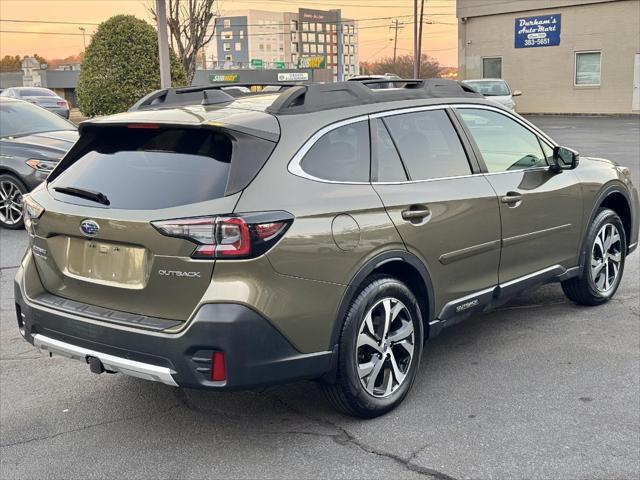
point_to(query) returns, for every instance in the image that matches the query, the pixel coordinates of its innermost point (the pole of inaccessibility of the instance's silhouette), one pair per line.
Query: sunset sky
(58, 40)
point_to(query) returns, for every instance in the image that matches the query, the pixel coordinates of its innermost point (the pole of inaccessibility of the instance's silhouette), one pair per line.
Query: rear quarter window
(341, 155)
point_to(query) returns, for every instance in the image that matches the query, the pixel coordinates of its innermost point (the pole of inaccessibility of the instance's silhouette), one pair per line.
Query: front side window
(492, 67)
(428, 145)
(503, 143)
(588, 68)
(341, 155)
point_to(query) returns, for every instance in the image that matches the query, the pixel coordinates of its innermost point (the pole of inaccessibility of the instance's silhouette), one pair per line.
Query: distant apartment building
(306, 39)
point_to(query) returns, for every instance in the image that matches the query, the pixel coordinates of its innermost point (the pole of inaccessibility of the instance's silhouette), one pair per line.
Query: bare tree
(188, 22)
(403, 66)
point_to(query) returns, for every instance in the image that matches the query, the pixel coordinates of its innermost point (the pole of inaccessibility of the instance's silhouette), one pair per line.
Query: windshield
(35, 92)
(490, 88)
(21, 118)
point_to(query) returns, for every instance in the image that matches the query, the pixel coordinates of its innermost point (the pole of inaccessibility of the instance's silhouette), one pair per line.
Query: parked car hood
(51, 145)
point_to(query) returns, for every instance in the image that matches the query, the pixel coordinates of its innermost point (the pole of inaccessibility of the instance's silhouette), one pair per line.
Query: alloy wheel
(10, 203)
(385, 347)
(606, 257)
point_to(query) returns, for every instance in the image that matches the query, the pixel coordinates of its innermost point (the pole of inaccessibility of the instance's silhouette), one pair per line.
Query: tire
(602, 261)
(392, 362)
(11, 192)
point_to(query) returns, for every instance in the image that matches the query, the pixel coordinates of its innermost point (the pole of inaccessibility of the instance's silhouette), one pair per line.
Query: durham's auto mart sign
(539, 31)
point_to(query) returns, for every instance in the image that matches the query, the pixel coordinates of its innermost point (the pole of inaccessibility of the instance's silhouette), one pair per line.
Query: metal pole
(415, 39)
(339, 47)
(163, 44)
(84, 41)
(396, 26)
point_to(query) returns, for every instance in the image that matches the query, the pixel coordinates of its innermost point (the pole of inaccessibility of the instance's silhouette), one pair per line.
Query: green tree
(10, 64)
(121, 65)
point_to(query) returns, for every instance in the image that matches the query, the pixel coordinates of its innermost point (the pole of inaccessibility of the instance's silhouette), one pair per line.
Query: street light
(84, 41)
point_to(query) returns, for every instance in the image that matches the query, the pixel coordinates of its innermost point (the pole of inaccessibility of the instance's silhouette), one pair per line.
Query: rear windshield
(22, 118)
(145, 168)
(490, 88)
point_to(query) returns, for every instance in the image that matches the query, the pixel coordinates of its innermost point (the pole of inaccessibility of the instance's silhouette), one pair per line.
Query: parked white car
(495, 89)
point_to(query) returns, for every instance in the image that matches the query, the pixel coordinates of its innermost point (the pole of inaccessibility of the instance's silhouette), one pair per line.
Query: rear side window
(341, 155)
(428, 144)
(145, 168)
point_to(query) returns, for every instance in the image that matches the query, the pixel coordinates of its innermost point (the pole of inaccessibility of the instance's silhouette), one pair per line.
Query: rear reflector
(218, 368)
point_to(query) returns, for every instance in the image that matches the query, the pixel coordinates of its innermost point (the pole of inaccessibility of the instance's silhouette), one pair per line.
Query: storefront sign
(311, 62)
(215, 78)
(293, 77)
(540, 31)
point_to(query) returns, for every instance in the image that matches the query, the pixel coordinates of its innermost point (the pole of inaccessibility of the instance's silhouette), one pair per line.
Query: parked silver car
(495, 89)
(43, 97)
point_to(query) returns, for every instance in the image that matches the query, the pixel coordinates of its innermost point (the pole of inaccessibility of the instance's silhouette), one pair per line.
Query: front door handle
(416, 212)
(511, 198)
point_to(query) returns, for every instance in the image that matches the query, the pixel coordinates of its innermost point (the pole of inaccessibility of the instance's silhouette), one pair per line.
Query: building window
(228, 58)
(228, 35)
(313, 48)
(294, 48)
(312, 26)
(305, 37)
(321, 38)
(294, 59)
(294, 25)
(241, 34)
(320, 48)
(588, 65)
(226, 47)
(305, 48)
(294, 36)
(226, 23)
(238, 46)
(261, 47)
(492, 67)
(305, 26)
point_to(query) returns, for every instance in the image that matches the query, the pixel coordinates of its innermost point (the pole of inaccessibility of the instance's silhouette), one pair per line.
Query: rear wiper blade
(88, 194)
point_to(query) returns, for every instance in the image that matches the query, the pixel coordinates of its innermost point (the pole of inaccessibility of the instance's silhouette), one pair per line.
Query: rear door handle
(416, 212)
(511, 197)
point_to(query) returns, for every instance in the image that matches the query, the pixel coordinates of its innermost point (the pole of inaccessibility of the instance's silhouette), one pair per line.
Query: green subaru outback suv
(225, 240)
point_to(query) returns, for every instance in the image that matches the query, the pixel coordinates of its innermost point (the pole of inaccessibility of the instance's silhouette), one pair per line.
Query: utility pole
(395, 25)
(163, 44)
(415, 39)
(84, 40)
(420, 36)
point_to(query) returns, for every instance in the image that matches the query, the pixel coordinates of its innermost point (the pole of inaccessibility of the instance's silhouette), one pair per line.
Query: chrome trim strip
(400, 111)
(507, 242)
(112, 363)
(531, 275)
(450, 257)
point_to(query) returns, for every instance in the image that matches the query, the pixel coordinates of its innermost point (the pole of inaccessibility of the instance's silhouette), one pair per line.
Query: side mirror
(516, 93)
(565, 158)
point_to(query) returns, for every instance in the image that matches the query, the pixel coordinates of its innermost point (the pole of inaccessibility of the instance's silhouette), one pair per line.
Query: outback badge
(89, 227)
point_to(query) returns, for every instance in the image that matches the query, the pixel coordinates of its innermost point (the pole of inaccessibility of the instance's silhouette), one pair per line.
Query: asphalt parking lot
(538, 389)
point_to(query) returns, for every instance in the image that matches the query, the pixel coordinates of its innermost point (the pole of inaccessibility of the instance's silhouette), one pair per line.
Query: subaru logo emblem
(89, 227)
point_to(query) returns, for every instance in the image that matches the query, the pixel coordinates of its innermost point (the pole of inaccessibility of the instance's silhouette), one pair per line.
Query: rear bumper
(256, 354)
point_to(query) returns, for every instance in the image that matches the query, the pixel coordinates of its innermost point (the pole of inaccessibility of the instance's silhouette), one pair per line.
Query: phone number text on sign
(539, 31)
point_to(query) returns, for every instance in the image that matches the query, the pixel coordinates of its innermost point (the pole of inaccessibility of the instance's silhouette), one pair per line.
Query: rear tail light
(31, 212)
(241, 236)
(62, 103)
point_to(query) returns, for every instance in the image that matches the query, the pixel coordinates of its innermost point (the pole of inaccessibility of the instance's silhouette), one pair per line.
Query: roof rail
(202, 94)
(324, 96)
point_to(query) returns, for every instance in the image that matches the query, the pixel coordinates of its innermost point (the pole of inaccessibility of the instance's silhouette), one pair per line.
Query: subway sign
(539, 31)
(216, 78)
(311, 62)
